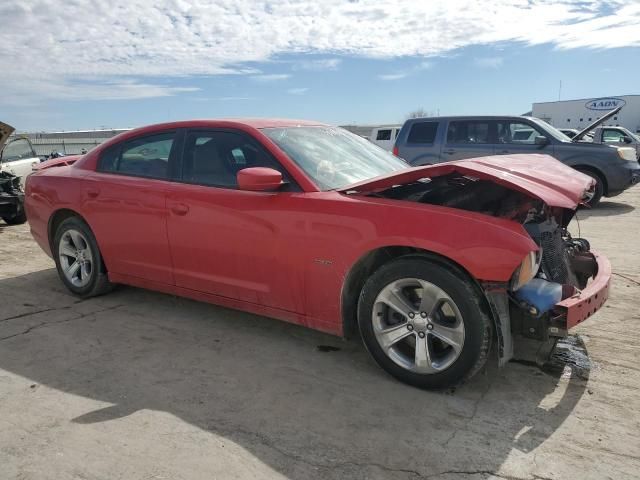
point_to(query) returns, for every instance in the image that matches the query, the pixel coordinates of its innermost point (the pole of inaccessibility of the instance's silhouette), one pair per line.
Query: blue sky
(348, 74)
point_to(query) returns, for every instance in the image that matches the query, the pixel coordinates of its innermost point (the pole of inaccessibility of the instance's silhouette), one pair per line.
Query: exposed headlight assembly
(627, 153)
(527, 270)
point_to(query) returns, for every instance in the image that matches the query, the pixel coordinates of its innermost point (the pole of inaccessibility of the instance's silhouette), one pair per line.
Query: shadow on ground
(305, 411)
(606, 208)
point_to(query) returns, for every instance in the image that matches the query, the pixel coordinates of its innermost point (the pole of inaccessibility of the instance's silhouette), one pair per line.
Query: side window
(383, 135)
(612, 136)
(464, 132)
(142, 157)
(423, 132)
(214, 158)
(17, 150)
(518, 133)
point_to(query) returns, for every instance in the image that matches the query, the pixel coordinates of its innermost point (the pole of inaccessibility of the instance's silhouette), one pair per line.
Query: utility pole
(559, 90)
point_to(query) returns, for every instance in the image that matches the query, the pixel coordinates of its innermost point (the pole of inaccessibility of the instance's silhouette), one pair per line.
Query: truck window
(463, 132)
(423, 132)
(612, 136)
(383, 135)
(519, 133)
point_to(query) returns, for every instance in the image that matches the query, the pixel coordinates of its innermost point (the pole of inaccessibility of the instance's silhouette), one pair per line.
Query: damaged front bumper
(586, 302)
(525, 334)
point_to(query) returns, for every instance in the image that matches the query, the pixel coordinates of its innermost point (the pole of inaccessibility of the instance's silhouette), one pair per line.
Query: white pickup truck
(618, 136)
(17, 157)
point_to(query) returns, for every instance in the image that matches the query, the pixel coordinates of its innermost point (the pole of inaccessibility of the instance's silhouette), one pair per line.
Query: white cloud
(298, 91)
(392, 76)
(270, 77)
(49, 47)
(318, 65)
(488, 62)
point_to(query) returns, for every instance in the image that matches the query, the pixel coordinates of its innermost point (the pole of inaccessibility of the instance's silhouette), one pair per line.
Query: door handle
(504, 151)
(93, 192)
(180, 209)
(450, 151)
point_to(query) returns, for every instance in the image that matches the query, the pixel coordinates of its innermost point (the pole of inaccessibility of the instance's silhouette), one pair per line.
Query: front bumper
(580, 306)
(11, 205)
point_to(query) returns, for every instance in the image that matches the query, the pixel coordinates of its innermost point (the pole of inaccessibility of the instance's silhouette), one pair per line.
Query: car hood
(5, 132)
(599, 121)
(539, 176)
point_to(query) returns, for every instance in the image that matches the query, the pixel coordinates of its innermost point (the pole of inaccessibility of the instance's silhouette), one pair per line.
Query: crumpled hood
(5, 132)
(539, 176)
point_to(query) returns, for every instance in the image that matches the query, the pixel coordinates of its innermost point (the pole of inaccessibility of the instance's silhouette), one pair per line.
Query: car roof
(231, 122)
(470, 117)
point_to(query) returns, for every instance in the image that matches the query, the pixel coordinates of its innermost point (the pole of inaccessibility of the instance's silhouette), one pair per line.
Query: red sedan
(311, 224)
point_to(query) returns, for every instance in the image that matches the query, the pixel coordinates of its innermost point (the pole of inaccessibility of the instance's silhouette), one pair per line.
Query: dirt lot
(140, 385)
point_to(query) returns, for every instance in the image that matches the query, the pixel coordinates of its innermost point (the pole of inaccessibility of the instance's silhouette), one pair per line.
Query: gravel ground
(141, 385)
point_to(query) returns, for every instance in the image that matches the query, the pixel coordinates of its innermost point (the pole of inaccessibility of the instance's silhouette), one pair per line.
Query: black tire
(478, 328)
(599, 190)
(98, 284)
(17, 219)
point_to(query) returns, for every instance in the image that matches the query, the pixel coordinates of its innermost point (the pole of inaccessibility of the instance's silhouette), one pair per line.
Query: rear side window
(383, 135)
(423, 132)
(142, 157)
(468, 132)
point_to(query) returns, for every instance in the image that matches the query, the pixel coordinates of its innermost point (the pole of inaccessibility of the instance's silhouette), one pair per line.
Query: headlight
(627, 153)
(526, 271)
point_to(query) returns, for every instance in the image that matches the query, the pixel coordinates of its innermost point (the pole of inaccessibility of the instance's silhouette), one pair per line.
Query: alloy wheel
(76, 258)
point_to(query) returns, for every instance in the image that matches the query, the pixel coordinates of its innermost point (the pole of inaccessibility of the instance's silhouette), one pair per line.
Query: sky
(81, 64)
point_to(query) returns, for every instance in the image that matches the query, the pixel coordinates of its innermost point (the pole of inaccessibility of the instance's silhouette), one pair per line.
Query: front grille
(555, 259)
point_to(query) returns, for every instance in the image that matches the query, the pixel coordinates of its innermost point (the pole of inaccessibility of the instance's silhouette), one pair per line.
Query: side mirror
(626, 140)
(541, 140)
(259, 179)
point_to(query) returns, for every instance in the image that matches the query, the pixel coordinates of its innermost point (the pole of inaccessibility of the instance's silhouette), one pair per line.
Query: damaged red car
(311, 224)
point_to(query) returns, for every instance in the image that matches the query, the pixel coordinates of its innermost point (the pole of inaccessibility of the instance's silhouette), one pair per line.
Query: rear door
(226, 241)
(468, 139)
(420, 146)
(126, 207)
(516, 136)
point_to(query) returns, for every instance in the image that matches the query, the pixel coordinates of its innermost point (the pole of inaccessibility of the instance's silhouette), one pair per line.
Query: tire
(599, 190)
(17, 219)
(460, 318)
(75, 244)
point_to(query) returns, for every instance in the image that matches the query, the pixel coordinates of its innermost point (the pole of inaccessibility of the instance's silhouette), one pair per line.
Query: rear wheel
(593, 197)
(424, 324)
(78, 259)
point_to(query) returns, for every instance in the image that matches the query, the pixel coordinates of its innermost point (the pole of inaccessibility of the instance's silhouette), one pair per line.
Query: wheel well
(371, 262)
(597, 172)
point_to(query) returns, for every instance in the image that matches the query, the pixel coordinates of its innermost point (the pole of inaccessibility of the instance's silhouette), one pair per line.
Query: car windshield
(334, 157)
(551, 130)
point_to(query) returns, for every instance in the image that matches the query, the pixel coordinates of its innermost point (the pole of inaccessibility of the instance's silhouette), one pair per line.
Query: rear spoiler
(57, 162)
(593, 125)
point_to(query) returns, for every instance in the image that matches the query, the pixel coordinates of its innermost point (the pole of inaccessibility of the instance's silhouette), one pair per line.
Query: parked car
(11, 199)
(385, 137)
(17, 155)
(424, 141)
(314, 225)
(617, 136)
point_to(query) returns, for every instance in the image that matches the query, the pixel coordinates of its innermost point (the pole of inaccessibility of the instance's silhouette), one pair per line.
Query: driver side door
(225, 241)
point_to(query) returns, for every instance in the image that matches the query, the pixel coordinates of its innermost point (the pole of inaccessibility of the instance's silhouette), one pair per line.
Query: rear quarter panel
(421, 153)
(46, 192)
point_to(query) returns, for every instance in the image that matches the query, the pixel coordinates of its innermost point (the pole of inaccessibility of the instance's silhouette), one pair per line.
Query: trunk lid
(539, 176)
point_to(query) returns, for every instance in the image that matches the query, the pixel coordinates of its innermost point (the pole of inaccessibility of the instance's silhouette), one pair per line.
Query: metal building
(68, 143)
(580, 113)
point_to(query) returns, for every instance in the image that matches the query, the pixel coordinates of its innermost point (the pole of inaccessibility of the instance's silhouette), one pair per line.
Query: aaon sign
(604, 103)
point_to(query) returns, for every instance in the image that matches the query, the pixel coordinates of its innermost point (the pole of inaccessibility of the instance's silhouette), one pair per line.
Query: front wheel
(423, 323)
(593, 197)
